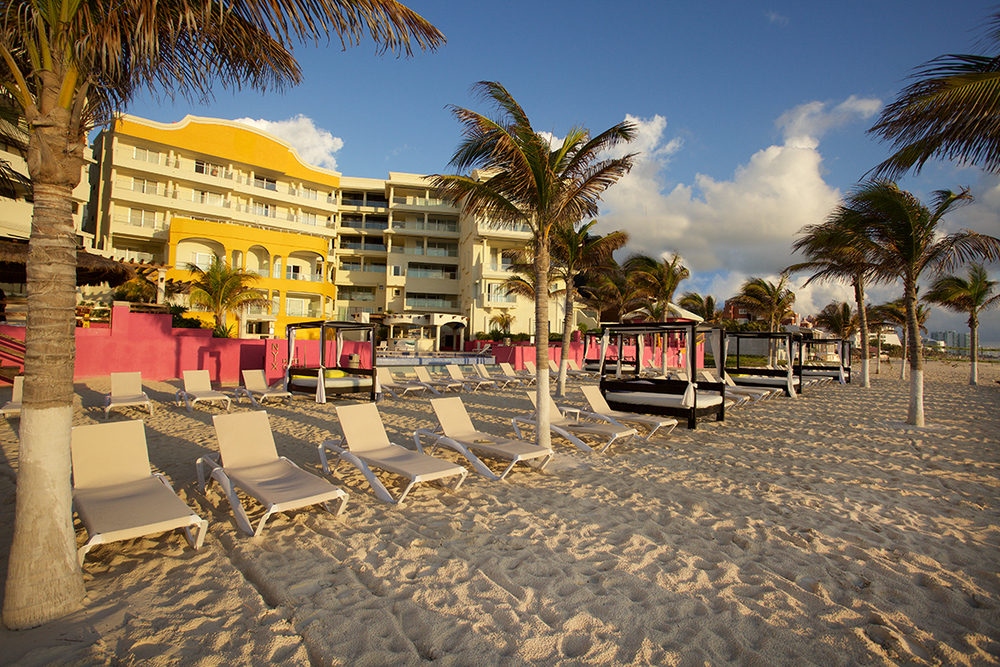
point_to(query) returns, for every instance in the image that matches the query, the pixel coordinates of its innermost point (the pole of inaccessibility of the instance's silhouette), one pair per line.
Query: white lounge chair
(500, 381)
(126, 389)
(751, 395)
(469, 383)
(436, 386)
(368, 446)
(600, 406)
(249, 461)
(575, 370)
(571, 428)
(115, 494)
(198, 387)
(13, 406)
(511, 374)
(394, 387)
(255, 388)
(462, 436)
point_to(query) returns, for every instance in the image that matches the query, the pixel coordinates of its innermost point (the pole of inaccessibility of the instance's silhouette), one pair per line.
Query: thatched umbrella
(90, 269)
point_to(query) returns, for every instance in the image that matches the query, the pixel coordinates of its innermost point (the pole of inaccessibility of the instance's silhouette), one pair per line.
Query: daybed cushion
(665, 400)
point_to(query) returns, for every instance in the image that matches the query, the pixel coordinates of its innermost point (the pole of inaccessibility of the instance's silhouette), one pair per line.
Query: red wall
(147, 343)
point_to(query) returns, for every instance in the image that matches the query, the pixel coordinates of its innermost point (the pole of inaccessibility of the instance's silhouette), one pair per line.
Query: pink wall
(516, 355)
(147, 343)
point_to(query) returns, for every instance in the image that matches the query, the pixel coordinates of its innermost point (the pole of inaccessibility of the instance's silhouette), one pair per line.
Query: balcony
(431, 303)
(308, 277)
(369, 247)
(426, 227)
(141, 223)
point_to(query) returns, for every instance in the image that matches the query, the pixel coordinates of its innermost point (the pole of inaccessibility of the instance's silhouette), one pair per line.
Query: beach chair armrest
(472, 458)
(212, 462)
(427, 432)
(598, 417)
(335, 446)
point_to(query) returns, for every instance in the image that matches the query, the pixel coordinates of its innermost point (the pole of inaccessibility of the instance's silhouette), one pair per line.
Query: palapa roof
(90, 269)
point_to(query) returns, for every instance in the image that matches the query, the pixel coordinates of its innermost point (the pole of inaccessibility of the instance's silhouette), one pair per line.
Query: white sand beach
(815, 531)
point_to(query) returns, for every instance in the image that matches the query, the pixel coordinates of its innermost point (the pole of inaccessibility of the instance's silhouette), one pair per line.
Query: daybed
(337, 379)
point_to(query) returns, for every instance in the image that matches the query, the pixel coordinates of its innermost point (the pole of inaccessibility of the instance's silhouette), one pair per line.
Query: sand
(815, 531)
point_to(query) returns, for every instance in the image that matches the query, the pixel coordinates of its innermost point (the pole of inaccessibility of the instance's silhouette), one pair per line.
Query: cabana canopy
(90, 269)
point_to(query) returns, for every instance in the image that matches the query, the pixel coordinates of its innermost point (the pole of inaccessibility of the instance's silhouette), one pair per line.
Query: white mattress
(765, 379)
(348, 382)
(664, 400)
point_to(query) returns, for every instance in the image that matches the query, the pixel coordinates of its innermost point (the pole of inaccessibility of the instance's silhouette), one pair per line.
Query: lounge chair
(13, 406)
(575, 370)
(126, 389)
(570, 428)
(255, 388)
(469, 383)
(424, 376)
(500, 381)
(510, 373)
(248, 461)
(115, 494)
(198, 387)
(369, 447)
(397, 388)
(600, 406)
(461, 435)
(751, 395)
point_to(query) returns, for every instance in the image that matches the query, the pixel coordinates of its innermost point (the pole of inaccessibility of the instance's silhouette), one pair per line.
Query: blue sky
(752, 115)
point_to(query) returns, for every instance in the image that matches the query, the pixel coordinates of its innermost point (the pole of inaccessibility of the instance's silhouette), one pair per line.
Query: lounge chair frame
(470, 384)
(126, 389)
(198, 387)
(105, 496)
(599, 406)
(457, 432)
(255, 388)
(378, 452)
(565, 426)
(276, 472)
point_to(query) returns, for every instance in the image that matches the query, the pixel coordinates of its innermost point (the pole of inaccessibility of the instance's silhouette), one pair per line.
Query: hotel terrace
(325, 245)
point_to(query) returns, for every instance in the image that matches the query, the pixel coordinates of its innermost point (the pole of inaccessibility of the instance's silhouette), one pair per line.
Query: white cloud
(745, 224)
(775, 17)
(313, 144)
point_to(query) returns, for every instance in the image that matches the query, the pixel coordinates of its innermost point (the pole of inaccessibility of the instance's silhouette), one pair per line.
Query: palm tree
(894, 313)
(702, 306)
(657, 279)
(70, 65)
(838, 319)
(832, 257)
(223, 289)
(899, 239)
(612, 292)
(951, 111)
(970, 296)
(503, 321)
(576, 252)
(528, 181)
(769, 301)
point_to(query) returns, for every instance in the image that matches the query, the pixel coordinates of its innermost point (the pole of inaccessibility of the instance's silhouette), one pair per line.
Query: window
(141, 218)
(442, 249)
(308, 193)
(265, 183)
(308, 219)
(146, 155)
(144, 186)
(205, 197)
(203, 260)
(397, 270)
(296, 307)
(441, 271)
(354, 293)
(350, 265)
(209, 169)
(265, 210)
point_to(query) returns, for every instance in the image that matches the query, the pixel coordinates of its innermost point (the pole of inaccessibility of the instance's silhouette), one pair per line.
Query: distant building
(952, 339)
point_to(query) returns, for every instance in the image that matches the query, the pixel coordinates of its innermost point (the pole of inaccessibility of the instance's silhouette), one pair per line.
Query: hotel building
(325, 245)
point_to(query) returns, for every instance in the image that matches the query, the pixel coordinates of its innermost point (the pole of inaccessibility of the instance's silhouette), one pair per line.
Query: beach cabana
(674, 397)
(746, 344)
(337, 378)
(826, 358)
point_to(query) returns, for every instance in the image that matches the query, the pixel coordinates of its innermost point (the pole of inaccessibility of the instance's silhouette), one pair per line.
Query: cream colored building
(325, 245)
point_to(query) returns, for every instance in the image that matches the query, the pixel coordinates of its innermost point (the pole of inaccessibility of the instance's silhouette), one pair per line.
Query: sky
(751, 115)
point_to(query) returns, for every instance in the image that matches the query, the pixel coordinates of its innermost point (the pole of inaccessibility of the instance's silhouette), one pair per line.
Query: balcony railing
(309, 277)
(358, 296)
(296, 311)
(146, 223)
(374, 247)
(411, 226)
(430, 273)
(418, 201)
(501, 298)
(500, 266)
(412, 302)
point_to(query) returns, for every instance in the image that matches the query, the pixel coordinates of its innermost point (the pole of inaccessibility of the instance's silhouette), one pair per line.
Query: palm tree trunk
(915, 413)
(902, 351)
(973, 349)
(859, 296)
(567, 333)
(878, 352)
(543, 438)
(44, 580)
